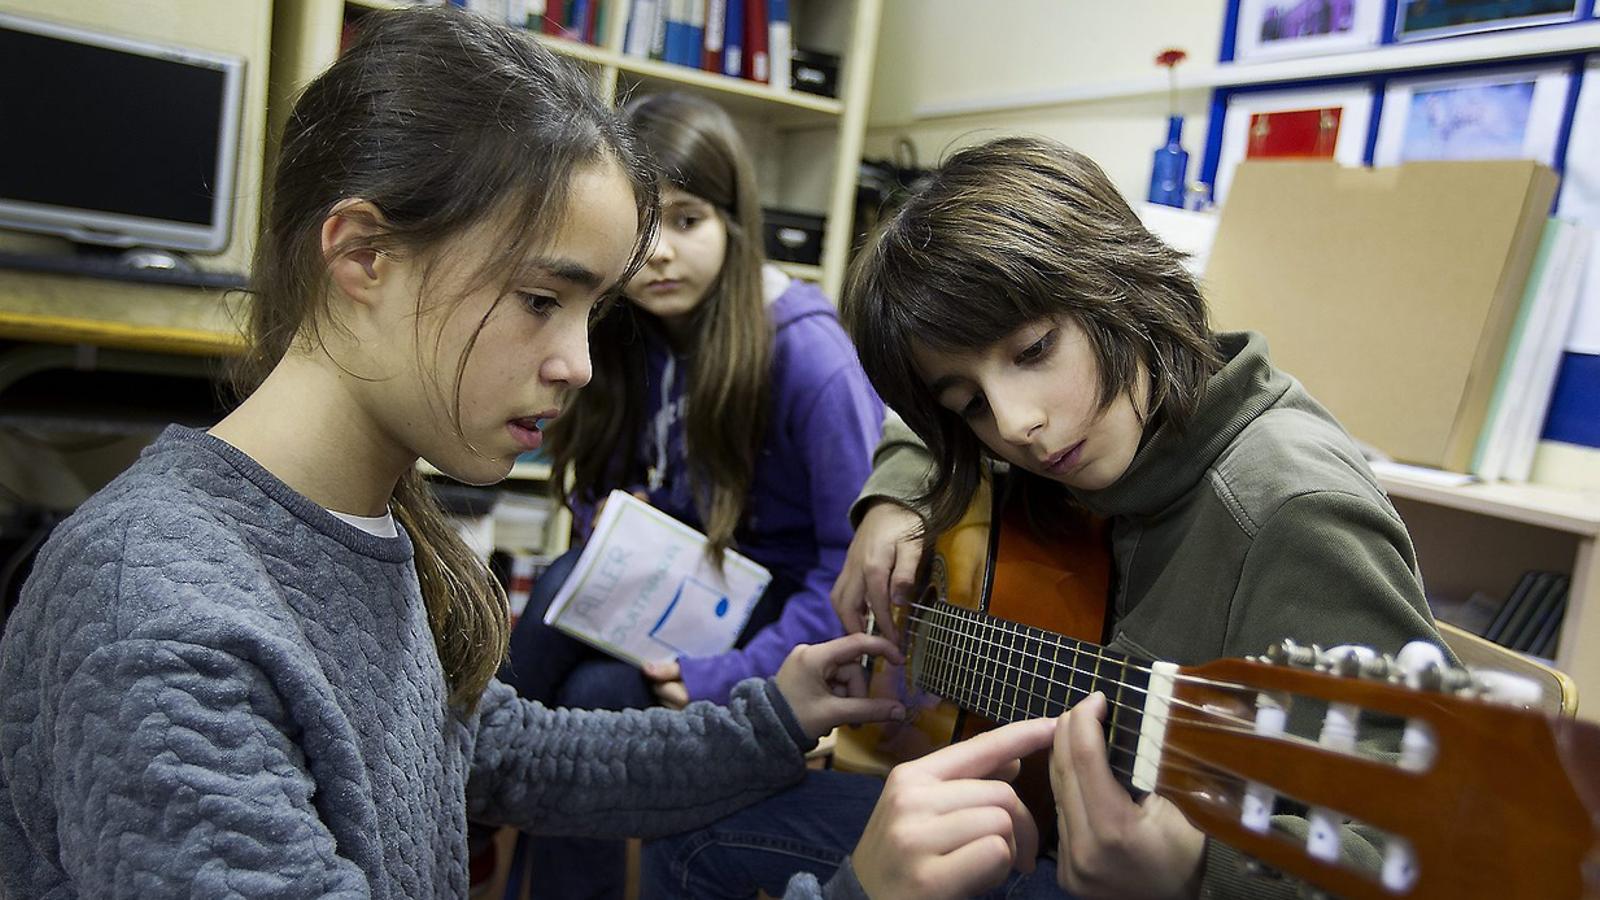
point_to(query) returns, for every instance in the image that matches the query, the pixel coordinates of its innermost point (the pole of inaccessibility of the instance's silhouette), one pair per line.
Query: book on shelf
(644, 591)
(643, 18)
(1542, 608)
(780, 44)
(1544, 644)
(694, 39)
(1525, 610)
(1530, 619)
(733, 39)
(1529, 582)
(757, 63)
(1527, 373)
(716, 32)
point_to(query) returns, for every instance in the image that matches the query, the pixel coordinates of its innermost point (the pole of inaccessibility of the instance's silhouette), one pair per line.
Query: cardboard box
(1390, 293)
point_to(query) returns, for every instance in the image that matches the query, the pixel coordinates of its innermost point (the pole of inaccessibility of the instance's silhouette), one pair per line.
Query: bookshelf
(1482, 536)
(806, 146)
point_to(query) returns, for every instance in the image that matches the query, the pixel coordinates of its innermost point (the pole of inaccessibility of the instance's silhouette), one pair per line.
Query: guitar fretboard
(1008, 672)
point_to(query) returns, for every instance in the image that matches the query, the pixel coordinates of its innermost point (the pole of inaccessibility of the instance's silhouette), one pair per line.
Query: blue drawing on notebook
(696, 621)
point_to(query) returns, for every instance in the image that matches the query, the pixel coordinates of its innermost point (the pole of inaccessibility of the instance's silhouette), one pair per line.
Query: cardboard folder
(1390, 293)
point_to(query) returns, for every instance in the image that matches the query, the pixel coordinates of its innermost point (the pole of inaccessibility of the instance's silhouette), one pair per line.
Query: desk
(64, 310)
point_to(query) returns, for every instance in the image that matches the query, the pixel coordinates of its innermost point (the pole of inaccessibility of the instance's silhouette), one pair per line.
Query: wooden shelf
(64, 330)
(738, 94)
(1576, 512)
(1518, 43)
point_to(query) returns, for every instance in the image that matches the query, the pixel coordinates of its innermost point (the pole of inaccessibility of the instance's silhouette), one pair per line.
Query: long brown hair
(1006, 233)
(699, 151)
(441, 120)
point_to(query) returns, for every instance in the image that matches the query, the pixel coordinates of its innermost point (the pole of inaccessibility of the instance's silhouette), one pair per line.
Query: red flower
(1171, 57)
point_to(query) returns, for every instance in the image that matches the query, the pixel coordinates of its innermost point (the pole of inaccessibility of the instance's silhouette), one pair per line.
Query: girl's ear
(356, 269)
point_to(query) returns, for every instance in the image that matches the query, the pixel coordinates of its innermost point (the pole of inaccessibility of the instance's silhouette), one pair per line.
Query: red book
(758, 64)
(555, 17)
(716, 22)
(1294, 134)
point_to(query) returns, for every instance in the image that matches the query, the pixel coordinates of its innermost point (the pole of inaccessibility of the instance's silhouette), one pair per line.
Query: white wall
(938, 51)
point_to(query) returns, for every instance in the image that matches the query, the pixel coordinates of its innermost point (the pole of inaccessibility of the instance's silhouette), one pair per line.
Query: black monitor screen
(100, 129)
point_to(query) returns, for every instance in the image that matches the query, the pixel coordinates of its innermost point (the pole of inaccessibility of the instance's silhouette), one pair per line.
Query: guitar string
(1096, 656)
(1205, 768)
(967, 615)
(1239, 723)
(1169, 758)
(1236, 724)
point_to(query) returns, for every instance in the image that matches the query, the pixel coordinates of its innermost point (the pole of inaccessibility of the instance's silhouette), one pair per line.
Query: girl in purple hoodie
(729, 396)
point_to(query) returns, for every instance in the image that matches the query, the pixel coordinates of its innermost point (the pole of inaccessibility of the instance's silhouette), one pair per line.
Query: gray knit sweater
(214, 688)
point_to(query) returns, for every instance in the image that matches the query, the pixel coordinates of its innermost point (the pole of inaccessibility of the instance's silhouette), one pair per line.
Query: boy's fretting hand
(826, 687)
(946, 825)
(1111, 846)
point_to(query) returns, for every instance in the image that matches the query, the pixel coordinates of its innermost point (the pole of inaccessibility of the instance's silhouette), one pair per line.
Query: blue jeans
(810, 827)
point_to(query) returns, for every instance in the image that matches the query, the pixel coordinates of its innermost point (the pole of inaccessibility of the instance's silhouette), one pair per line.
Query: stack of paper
(644, 591)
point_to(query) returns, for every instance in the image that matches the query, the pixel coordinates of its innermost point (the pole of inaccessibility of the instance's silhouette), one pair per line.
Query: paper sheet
(643, 590)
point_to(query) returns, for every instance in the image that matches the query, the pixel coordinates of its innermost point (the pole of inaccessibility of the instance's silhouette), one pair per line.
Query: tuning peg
(1347, 660)
(1509, 689)
(1288, 653)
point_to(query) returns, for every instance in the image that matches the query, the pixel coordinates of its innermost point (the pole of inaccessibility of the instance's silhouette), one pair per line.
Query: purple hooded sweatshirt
(822, 427)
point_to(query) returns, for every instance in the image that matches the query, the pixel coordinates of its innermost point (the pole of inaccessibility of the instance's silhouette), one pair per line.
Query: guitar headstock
(1482, 798)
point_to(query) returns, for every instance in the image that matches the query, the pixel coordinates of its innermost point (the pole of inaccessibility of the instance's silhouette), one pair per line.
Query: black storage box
(814, 72)
(790, 236)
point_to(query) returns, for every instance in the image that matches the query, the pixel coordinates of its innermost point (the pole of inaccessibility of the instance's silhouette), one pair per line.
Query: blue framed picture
(1423, 19)
(1279, 29)
(1501, 114)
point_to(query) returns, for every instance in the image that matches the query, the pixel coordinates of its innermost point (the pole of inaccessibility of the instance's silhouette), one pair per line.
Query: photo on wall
(1509, 114)
(1278, 29)
(1314, 123)
(1422, 19)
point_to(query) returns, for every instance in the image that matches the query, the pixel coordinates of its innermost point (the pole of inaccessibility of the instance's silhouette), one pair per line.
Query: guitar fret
(1006, 671)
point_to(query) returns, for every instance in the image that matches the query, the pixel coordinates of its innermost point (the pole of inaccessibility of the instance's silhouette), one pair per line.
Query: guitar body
(1061, 586)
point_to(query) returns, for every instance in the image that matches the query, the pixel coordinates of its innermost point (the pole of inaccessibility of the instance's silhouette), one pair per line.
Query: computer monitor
(114, 141)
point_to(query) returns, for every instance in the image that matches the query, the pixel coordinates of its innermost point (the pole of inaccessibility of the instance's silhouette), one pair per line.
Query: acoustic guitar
(1486, 798)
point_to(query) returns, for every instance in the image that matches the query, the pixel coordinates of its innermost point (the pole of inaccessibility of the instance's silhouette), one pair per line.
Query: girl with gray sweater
(259, 662)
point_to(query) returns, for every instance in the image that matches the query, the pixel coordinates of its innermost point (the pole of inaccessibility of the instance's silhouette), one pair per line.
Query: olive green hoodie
(1259, 521)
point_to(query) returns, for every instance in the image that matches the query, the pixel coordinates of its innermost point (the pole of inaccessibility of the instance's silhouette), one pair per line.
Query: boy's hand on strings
(666, 679)
(880, 567)
(826, 686)
(1111, 846)
(946, 826)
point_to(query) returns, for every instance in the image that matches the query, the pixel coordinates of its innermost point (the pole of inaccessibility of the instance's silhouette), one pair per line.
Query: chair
(1559, 694)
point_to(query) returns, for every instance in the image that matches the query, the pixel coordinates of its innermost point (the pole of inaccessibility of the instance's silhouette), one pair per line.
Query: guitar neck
(1008, 672)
